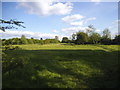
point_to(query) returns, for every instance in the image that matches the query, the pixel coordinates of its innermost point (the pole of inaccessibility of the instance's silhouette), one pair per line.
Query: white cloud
(72, 30)
(98, 31)
(76, 23)
(46, 7)
(96, 0)
(55, 31)
(75, 20)
(72, 18)
(80, 23)
(28, 34)
(90, 19)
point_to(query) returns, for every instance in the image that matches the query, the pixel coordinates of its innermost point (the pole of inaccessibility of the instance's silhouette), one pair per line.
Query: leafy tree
(32, 38)
(41, 42)
(82, 38)
(116, 40)
(106, 38)
(65, 40)
(90, 29)
(106, 33)
(3, 42)
(24, 40)
(105, 41)
(94, 38)
(73, 36)
(41, 38)
(30, 41)
(56, 37)
(47, 41)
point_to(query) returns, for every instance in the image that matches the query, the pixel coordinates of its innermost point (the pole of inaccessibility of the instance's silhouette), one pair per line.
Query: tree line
(88, 37)
(78, 38)
(92, 37)
(24, 40)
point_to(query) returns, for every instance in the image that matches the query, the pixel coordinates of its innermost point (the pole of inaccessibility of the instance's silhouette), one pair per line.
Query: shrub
(9, 47)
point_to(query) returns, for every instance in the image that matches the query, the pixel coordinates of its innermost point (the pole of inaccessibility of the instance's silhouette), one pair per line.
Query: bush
(106, 41)
(9, 47)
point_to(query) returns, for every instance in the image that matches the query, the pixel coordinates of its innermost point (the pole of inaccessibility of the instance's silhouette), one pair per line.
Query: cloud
(28, 34)
(55, 31)
(80, 23)
(96, 0)
(46, 7)
(75, 20)
(90, 19)
(98, 31)
(76, 23)
(72, 30)
(72, 18)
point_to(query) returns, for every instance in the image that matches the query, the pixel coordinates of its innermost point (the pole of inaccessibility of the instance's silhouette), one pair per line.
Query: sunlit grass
(68, 47)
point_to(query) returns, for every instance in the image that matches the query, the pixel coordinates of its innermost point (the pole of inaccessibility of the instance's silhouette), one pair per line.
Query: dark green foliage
(106, 33)
(65, 40)
(94, 38)
(82, 38)
(47, 41)
(41, 39)
(56, 38)
(73, 36)
(106, 38)
(116, 40)
(10, 47)
(30, 41)
(24, 39)
(105, 41)
(9, 63)
(41, 42)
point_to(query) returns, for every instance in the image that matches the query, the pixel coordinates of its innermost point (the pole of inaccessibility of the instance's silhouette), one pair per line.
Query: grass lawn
(62, 66)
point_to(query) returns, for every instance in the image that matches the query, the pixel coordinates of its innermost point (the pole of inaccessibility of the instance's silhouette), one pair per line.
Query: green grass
(63, 66)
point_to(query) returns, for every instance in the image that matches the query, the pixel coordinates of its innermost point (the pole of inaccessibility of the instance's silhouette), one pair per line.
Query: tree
(90, 29)
(94, 38)
(82, 38)
(106, 38)
(30, 41)
(65, 40)
(32, 38)
(41, 38)
(56, 37)
(24, 40)
(11, 22)
(106, 33)
(73, 36)
(116, 40)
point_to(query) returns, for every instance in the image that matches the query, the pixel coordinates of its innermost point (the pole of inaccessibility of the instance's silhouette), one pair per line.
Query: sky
(47, 19)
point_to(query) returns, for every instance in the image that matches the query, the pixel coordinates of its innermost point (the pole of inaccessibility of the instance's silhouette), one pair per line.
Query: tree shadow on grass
(62, 69)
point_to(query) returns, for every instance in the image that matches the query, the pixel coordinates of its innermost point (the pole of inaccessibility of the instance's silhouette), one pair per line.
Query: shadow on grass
(61, 69)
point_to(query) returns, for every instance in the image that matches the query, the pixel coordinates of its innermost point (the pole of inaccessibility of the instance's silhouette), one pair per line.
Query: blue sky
(44, 20)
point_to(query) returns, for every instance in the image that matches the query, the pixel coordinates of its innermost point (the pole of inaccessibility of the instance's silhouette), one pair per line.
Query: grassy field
(63, 66)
